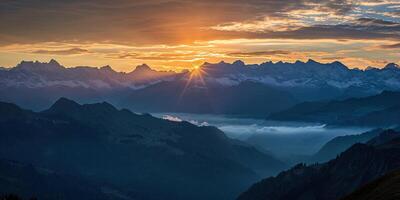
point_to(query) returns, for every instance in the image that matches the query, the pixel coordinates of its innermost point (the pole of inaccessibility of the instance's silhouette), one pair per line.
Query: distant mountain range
(275, 86)
(378, 110)
(246, 99)
(126, 154)
(358, 165)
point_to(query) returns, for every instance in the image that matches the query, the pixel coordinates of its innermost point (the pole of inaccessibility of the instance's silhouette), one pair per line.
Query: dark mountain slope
(384, 188)
(381, 109)
(339, 144)
(387, 117)
(140, 154)
(28, 181)
(355, 167)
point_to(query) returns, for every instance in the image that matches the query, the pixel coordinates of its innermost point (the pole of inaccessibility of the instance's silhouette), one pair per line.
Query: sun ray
(195, 76)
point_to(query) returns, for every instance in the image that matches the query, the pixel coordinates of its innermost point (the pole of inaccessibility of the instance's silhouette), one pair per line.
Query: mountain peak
(54, 62)
(106, 68)
(392, 66)
(64, 104)
(10, 111)
(339, 64)
(142, 68)
(238, 63)
(311, 61)
(222, 62)
(52, 65)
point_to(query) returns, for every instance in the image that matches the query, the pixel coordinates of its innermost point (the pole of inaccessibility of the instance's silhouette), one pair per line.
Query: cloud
(259, 53)
(391, 46)
(177, 119)
(164, 21)
(172, 34)
(266, 24)
(260, 129)
(197, 123)
(172, 118)
(72, 51)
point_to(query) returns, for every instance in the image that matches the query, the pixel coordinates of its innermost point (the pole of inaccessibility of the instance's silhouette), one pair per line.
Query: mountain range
(276, 86)
(137, 156)
(377, 110)
(355, 167)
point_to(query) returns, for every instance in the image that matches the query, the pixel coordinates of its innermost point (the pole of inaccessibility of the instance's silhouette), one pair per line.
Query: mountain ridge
(92, 140)
(303, 81)
(358, 165)
(377, 110)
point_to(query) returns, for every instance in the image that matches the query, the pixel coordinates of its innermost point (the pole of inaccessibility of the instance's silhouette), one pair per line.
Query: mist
(284, 140)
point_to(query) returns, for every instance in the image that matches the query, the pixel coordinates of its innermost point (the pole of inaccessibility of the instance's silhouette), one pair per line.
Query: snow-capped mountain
(310, 74)
(41, 75)
(35, 83)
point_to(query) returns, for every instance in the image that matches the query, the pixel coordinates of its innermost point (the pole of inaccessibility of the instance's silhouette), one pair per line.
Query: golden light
(195, 76)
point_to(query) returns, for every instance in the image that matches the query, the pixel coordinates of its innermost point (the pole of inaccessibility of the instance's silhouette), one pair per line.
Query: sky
(183, 34)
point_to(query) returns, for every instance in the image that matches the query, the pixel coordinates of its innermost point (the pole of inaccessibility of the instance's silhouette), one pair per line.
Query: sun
(195, 76)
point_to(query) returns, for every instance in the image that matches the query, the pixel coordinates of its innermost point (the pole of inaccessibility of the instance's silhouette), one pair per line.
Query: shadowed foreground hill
(28, 181)
(146, 157)
(355, 167)
(384, 188)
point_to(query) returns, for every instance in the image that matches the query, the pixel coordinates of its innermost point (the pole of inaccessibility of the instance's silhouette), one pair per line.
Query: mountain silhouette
(377, 110)
(384, 188)
(139, 154)
(339, 144)
(358, 165)
(279, 84)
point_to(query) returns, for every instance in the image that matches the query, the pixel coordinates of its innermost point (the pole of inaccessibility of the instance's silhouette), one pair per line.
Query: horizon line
(204, 63)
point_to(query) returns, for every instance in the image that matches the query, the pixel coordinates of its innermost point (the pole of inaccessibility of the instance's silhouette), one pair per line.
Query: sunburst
(196, 75)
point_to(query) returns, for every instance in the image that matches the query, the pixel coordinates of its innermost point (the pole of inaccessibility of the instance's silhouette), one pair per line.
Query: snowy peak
(143, 73)
(52, 65)
(310, 74)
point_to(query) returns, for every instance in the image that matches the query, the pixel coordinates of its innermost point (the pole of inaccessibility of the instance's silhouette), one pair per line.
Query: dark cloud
(333, 58)
(152, 21)
(391, 46)
(165, 21)
(71, 51)
(152, 56)
(338, 32)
